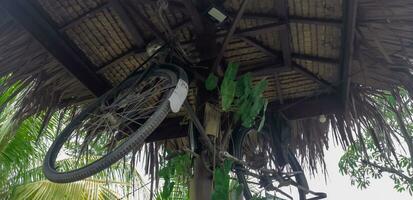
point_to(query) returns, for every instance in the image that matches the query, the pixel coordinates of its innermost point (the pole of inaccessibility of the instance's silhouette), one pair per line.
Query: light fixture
(322, 119)
(217, 14)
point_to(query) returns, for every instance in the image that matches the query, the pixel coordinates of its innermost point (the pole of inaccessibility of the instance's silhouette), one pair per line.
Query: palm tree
(22, 149)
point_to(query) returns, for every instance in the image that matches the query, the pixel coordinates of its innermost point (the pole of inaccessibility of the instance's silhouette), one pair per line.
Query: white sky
(339, 188)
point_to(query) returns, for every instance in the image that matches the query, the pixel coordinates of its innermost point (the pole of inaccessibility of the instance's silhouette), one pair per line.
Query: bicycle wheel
(261, 173)
(112, 126)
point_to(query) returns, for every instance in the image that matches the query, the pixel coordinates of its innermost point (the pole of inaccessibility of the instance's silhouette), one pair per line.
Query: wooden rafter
(148, 23)
(284, 34)
(308, 107)
(216, 67)
(120, 58)
(138, 51)
(205, 31)
(275, 54)
(278, 87)
(291, 19)
(92, 12)
(128, 23)
(261, 29)
(307, 73)
(253, 42)
(51, 39)
(347, 46)
(79, 19)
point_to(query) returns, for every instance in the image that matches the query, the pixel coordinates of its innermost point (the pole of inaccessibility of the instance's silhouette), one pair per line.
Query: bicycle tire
(236, 147)
(137, 138)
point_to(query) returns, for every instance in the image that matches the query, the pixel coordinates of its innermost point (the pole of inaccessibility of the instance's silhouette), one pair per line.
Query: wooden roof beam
(292, 18)
(205, 31)
(148, 23)
(275, 54)
(93, 11)
(278, 87)
(217, 68)
(261, 29)
(308, 107)
(128, 23)
(40, 28)
(307, 73)
(263, 68)
(137, 51)
(84, 16)
(347, 46)
(284, 34)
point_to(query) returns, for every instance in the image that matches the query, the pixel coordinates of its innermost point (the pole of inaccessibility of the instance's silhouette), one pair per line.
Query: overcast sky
(339, 188)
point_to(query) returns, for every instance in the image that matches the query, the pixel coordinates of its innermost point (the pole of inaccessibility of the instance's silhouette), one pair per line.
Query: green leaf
(228, 86)
(231, 72)
(211, 82)
(260, 88)
(221, 181)
(244, 85)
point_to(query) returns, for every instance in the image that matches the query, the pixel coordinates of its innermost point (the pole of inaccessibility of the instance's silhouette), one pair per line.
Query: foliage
(228, 86)
(175, 173)
(242, 96)
(85, 189)
(221, 181)
(250, 101)
(22, 153)
(374, 155)
(235, 190)
(211, 82)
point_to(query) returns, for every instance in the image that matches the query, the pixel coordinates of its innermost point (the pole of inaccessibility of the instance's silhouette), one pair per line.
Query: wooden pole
(201, 183)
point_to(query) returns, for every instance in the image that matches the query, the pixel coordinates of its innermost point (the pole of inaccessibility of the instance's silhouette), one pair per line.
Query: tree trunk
(201, 183)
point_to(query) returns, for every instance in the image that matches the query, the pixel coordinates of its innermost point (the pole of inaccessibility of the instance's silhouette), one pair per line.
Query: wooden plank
(41, 29)
(217, 68)
(275, 54)
(315, 21)
(148, 23)
(301, 108)
(263, 68)
(307, 73)
(120, 58)
(347, 46)
(278, 87)
(195, 16)
(292, 19)
(169, 129)
(284, 35)
(326, 60)
(254, 31)
(128, 23)
(79, 19)
(205, 31)
(253, 42)
(137, 51)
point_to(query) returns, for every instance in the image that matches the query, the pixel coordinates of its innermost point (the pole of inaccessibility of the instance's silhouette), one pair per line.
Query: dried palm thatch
(381, 56)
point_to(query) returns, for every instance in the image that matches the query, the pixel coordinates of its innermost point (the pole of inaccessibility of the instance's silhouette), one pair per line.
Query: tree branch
(389, 170)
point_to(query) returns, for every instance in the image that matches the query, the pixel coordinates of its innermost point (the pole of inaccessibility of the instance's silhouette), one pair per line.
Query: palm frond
(88, 189)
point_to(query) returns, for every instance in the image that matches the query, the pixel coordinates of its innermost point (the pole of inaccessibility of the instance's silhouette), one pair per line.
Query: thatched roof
(312, 52)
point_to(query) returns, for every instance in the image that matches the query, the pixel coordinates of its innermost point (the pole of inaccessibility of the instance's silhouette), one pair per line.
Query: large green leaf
(88, 189)
(221, 181)
(211, 82)
(229, 86)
